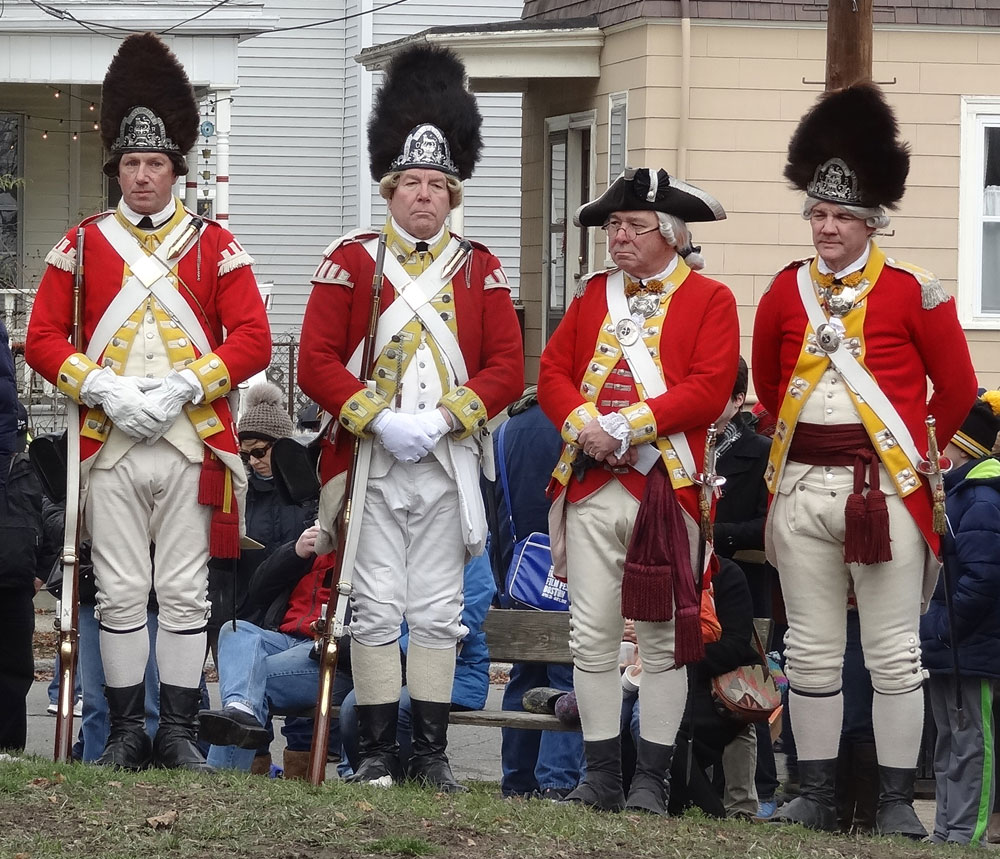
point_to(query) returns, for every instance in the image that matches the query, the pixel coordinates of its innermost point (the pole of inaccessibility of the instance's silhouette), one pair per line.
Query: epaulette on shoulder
(931, 292)
(581, 287)
(795, 263)
(98, 216)
(361, 235)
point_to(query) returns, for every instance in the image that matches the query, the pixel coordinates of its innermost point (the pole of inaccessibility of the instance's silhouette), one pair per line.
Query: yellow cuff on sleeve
(358, 411)
(576, 420)
(72, 373)
(213, 374)
(467, 406)
(640, 419)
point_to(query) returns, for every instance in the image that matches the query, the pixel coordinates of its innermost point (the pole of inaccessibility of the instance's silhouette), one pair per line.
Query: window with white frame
(617, 134)
(979, 214)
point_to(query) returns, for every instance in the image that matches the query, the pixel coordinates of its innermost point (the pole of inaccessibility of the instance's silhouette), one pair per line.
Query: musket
(340, 585)
(69, 602)
(935, 467)
(710, 482)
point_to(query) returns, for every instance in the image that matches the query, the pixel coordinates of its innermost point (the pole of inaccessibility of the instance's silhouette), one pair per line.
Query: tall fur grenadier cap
(424, 116)
(147, 104)
(847, 150)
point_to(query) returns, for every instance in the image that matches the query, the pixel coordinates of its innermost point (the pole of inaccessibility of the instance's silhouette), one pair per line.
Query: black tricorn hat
(424, 116)
(147, 103)
(847, 150)
(651, 191)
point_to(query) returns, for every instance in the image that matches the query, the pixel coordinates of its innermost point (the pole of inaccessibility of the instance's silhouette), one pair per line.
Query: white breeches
(410, 560)
(598, 530)
(150, 495)
(806, 536)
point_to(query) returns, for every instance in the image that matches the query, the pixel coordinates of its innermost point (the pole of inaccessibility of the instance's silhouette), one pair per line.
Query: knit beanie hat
(979, 430)
(264, 415)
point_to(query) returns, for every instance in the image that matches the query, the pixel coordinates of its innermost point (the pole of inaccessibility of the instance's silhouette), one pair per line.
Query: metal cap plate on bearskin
(847, 150)
(652, 191)
(424, 116)
(147, 104)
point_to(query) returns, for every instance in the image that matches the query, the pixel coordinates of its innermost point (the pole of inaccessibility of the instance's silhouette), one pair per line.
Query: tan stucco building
(714, 99)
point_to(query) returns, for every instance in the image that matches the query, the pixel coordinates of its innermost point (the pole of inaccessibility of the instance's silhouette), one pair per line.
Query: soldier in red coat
(843, 347)
(449, 357)
(642, 363)
(171, 321)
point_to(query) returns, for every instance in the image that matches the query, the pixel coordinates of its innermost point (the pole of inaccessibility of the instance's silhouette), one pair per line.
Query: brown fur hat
(147, 104)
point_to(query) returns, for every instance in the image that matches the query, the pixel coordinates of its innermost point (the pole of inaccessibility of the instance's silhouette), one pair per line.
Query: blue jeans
(349, 729)
(262, 669)
(96, 722)
(537, 760)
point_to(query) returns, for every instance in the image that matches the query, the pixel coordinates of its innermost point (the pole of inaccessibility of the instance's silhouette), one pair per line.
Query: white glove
(124, 401)
(435, 424)
(406, 437)
(171, 394)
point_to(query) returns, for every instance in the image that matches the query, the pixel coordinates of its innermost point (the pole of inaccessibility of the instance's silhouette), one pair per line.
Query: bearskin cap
(424, 116)
(147, 103)
(847, 150)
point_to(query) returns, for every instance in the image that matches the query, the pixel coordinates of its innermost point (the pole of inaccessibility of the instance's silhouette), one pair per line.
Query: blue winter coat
(973, 556)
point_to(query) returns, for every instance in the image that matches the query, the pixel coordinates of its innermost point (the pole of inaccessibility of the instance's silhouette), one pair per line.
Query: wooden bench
(521, 635)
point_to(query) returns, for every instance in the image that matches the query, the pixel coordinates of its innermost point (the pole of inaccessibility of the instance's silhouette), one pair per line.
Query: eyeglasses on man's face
(256, 452)
(632, 231)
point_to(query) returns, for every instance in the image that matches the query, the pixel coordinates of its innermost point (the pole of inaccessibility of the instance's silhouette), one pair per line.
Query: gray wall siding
(287, 151)
(299, 161)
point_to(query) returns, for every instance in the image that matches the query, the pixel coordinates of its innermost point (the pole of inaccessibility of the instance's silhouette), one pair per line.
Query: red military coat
(698, 352)
(904, 345)
(337, 319)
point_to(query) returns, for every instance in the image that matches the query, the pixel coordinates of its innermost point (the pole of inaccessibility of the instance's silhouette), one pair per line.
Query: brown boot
(296, 764)
(261, 765)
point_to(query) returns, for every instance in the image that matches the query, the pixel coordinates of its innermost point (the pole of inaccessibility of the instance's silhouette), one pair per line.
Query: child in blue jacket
(963, 753)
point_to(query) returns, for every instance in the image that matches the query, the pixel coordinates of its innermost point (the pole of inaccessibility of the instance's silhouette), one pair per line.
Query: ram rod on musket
(69, 602)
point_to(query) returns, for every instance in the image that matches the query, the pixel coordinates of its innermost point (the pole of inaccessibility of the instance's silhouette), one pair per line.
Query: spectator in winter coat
(963, 758)
(27, 551)
(8, 404)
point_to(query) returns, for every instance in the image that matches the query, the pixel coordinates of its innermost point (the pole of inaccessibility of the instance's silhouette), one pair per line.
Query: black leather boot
(895, 815)
(128, 746)
(866, 779)
(377, 747)
(175, 745)
(815, 807)
(650, 788)
(428, 761)
(601, 787)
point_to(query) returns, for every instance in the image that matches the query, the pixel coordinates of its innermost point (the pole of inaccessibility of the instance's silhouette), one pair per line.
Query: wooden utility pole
(848, 42)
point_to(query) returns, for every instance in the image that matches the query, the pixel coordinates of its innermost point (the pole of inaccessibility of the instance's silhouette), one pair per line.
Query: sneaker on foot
(52, 709)
(766, 809)
(78, 707)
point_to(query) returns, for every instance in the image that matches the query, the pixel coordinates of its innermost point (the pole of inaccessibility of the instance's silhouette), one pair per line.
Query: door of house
(569, 182)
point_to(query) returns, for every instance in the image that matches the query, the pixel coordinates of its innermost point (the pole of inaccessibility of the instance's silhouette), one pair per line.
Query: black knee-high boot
(895, 815)
(650, 788)
(601, 787)
(128, 745)
(428, 761)
(377, 747)
(815, 807)
(175, 745)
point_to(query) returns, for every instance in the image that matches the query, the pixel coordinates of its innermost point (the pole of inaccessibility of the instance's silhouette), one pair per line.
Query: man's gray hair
(875, 217)
(678, 236)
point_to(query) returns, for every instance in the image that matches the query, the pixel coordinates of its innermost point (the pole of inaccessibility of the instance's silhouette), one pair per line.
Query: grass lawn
(49, 810)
